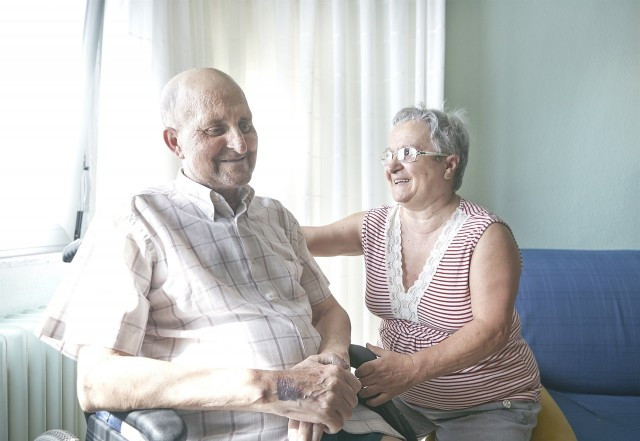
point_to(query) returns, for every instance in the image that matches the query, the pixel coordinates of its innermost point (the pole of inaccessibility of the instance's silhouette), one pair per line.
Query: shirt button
(506, 404)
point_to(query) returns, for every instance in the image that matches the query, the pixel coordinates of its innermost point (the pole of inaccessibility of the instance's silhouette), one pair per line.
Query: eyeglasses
(406, 154)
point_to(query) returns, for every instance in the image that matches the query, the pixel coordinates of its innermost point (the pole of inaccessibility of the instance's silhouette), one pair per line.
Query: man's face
(217, 140)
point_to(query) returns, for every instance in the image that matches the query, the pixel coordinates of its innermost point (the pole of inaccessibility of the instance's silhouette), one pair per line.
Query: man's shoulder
(272, 210)
(268, 203)
(139, 200)
(155, 190)
(165, 192)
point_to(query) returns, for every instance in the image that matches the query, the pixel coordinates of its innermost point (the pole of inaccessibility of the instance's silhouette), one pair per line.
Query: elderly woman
(442, 273)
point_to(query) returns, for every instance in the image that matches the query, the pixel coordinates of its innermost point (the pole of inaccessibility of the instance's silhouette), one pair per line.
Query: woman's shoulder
(478, 212)
(377, 215)
(383, 209)
(374, 225)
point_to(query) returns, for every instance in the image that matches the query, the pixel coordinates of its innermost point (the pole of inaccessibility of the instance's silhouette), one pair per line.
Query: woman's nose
(393, 165)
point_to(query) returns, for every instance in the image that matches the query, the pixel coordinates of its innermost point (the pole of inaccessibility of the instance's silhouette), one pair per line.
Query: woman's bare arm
(341, 238)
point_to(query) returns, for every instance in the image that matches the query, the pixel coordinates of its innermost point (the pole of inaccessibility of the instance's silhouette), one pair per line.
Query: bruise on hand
(287, 390)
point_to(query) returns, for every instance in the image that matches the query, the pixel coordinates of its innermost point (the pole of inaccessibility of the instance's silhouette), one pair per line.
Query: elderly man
(202, 297)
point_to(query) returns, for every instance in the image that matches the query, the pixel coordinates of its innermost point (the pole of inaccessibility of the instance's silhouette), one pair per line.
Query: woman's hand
(386, 377)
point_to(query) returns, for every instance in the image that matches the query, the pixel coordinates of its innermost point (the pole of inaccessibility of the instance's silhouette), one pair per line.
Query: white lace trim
(404, 305)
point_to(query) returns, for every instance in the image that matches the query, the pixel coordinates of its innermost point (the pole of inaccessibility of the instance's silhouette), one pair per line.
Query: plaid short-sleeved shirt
(180, 277)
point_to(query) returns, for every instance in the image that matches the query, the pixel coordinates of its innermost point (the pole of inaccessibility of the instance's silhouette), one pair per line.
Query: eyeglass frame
(385, 154)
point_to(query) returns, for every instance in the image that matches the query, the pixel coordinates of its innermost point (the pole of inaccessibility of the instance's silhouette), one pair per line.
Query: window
(40, 102)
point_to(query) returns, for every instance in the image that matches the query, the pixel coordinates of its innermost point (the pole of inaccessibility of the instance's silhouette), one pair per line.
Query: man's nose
(236, 141)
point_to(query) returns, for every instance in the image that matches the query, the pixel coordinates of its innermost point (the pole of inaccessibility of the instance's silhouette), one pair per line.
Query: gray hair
(448, 133)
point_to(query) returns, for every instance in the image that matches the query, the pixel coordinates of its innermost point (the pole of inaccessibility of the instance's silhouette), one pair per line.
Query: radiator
(37, 383)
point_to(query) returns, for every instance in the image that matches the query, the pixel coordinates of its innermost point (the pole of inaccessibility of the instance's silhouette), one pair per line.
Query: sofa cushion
(580, 313)
(600, 417)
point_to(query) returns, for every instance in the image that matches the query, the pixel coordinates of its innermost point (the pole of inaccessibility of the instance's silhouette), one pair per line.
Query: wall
(552, 90)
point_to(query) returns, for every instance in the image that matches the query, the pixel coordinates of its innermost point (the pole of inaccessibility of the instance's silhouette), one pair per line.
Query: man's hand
(328, 395)
(303, 431)
(387, 376)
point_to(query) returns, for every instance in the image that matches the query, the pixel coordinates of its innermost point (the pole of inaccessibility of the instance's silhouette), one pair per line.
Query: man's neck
(231, 196)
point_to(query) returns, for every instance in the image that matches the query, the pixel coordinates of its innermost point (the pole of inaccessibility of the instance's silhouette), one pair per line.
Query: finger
(379, 400)
(331, 358)
(292, 429)
(365, 369)
(353, 382)
(333, 425)
(338, 361)
(305, 431)
(341, 414)
(376, 349)
(352, 399)
(318, 431)
(369, 391)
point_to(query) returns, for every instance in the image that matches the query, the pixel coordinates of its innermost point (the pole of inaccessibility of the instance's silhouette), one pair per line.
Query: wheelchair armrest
(388, 411)
(152, 424)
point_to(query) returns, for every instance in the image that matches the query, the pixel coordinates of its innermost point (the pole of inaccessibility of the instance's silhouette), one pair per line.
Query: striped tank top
(439, 304)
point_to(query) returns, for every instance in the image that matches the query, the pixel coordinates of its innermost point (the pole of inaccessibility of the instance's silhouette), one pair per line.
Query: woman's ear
(171, 140)
(451, 162)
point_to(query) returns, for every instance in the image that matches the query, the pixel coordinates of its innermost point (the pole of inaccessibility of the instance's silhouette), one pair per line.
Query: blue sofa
(580, 314)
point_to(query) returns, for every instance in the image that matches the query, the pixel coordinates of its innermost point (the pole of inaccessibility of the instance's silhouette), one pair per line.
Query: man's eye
(244, 126)
(214, 131)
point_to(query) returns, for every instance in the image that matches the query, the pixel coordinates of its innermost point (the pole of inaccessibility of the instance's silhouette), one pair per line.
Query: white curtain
(323, 79)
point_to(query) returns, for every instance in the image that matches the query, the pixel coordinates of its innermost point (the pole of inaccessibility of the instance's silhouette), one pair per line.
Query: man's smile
(232, 159)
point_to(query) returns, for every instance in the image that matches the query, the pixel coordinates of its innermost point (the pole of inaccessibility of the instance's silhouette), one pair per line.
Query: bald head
(187, 91)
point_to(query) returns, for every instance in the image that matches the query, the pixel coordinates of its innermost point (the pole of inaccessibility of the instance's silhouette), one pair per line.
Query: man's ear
(171, 140)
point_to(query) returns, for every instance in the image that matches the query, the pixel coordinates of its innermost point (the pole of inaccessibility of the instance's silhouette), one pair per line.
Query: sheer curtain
(323, 79)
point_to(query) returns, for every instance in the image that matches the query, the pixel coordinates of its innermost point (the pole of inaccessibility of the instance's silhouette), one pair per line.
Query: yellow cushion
(552, 424)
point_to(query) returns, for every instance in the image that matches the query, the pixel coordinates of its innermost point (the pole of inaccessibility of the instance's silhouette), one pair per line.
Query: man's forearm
(110, 381)
(315, 390)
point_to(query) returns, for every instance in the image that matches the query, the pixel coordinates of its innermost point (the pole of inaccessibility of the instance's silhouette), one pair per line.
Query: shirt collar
(209, 200)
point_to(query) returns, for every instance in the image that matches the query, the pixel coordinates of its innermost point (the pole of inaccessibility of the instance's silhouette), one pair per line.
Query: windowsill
(30, 259)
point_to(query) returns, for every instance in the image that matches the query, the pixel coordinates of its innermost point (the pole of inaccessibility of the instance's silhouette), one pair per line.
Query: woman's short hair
(448, 133)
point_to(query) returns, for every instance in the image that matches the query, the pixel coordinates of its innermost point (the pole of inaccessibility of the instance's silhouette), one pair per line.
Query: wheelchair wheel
(57, 435)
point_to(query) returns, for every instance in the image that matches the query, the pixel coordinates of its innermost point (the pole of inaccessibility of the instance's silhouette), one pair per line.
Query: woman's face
(416, 184)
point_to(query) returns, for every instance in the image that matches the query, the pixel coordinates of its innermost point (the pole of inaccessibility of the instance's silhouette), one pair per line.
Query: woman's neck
(431, 218)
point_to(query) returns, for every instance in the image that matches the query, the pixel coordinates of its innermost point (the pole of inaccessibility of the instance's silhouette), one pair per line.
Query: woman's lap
(500, 421)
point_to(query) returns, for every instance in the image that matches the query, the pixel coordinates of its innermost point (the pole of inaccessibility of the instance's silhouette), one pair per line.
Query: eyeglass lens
(405, 154)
